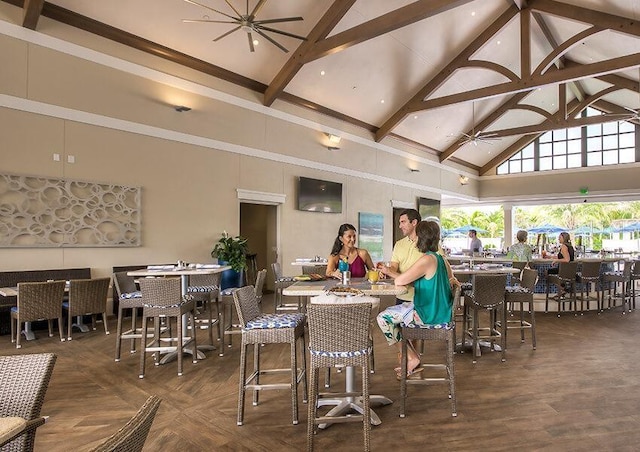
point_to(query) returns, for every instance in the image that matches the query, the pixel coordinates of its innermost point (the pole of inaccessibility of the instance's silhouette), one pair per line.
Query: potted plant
(231, 251)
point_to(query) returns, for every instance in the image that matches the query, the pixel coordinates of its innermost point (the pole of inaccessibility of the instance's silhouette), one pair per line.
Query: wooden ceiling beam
(460, 59)
(31, 13)
(615, 23)
(324, 26)
(379, 26)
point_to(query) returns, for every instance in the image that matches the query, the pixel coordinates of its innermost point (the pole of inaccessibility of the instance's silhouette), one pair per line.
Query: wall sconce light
(334, 139)
(414, 170)
(181, 108)
(464, 180)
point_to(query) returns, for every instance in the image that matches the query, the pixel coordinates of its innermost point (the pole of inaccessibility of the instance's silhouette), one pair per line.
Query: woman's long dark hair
(566, 238)
(428, 233)
(337, 245)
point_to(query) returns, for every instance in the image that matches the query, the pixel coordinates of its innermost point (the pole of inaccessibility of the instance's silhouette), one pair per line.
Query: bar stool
(258, 329)
(281, 283)
(521, 294)
(635, 276)
(444, 333)
(564, 280)
(205, 289)
(620, 282)
(589, 274)
(252, 270)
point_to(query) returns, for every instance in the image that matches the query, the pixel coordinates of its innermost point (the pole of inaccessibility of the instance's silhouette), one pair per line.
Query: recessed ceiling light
(322, 72)
(498, 42)
(256, 42)
(415, 116)
(382, 101)
(473, 13)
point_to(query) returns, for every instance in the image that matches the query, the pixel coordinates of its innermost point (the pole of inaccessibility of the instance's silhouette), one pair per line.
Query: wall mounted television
(316, 195)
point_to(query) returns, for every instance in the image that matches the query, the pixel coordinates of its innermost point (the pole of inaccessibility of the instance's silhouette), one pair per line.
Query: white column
(508, 224)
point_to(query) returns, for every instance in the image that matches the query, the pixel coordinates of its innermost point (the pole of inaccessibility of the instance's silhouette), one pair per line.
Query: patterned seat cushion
(517, 289)
(435, 326)
(128, 295)
(346, 354)
(197, 289)
(614, 273)
(285, 279)
(466, 286)
(267, 321)
(228, 291)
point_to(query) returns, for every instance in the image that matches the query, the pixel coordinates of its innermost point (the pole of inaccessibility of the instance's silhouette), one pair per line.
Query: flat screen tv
(319, 195)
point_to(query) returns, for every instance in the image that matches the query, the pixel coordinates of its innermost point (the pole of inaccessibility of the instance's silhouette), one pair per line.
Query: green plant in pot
(232, 250)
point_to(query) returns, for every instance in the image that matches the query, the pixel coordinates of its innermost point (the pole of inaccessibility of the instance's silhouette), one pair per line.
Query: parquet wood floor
(580, 390)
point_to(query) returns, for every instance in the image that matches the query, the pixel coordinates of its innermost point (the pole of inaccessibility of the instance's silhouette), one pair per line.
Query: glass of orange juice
(372, 276)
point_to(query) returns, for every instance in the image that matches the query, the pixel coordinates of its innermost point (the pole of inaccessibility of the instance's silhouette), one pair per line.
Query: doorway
(258, 224)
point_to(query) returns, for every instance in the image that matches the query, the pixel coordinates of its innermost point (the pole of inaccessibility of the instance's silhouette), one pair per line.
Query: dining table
(344, 405)
(184, 272)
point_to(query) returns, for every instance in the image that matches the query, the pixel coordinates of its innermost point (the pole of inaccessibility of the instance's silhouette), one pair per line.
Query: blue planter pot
(230, 278)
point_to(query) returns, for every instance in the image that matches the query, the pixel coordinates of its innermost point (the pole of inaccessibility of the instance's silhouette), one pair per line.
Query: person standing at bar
(476, 244)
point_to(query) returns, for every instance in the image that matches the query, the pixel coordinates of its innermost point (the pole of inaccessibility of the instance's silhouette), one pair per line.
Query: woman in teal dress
(432, 302)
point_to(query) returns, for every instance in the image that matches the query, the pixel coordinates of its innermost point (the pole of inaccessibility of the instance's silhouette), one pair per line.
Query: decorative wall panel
(46, 212)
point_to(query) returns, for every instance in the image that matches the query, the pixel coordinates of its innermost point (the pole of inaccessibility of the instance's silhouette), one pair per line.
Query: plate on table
(345, 291)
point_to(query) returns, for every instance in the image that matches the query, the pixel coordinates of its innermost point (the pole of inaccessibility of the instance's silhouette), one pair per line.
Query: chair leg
(475, 335)
(366, 415)
(451, 370)
(503, 337)
(312, 407)
(403, 378)
(256, 370)
(143, 345)
(50, 325)
(104, 321)
(119, 334)
(134, 318)
(60, 323)
(69, 325)
(241, 385)
(303, 376)
(179, 349)
(194, 356)
(294, 380)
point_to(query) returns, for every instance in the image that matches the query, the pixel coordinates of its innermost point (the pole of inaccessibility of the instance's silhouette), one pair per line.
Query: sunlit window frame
(533, 157)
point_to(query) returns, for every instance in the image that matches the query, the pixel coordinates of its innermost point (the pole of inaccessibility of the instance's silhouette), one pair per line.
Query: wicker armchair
(522, 294)
(205, 290)
(348, 348)
(589, 274)
(564, 280)
(87, 296)
(445, 333)
(132, 436)
(162, 298)
(258, 329)
(488, 295)
(281, 283)
(24, 380)
(37, 301)
(129, 297)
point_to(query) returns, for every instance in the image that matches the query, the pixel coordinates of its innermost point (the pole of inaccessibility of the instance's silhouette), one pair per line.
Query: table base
(344, 405)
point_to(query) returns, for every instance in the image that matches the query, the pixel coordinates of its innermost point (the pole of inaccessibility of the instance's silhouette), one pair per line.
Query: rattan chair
(635, 276)
(205, 291)
(589, 274)
(24, 380)
(37, 301)
(488, 295)
(87, 297)
(282, 282)
(522, 294)
(621, 283)
(338, 336)
(229, 328)
(129, 297)
(162, 298)
(132, 436)
(257, 329)
(445, 333)
(565, 281)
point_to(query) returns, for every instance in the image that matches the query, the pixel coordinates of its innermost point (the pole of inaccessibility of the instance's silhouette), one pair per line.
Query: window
(609, 143)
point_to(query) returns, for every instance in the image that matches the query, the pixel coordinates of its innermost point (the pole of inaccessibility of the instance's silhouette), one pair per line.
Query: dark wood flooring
(580, 390)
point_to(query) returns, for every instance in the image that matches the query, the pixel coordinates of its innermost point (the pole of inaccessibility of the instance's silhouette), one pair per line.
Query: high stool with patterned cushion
(620, 282)
(442, 332)
(258, 329)
(488, 295)
(129, 298)
(565, 281)
(350, 348)
(204, 289)
(589, 274)
(229, 328)
(162, 298)
(281, 283)
(520, 294)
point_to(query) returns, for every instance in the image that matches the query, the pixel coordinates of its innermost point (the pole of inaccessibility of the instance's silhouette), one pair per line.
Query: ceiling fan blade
(226, 34)
(271, 40)
(253, 14)
(209, 21)
(251, 47)
(233, 8)
(273, 30)
(209, 8)
(275, 21)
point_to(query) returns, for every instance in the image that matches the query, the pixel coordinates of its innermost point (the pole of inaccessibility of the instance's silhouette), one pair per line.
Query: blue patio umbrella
(465, 229)
(607, 230)
(546, 229)
(633, 227)
(583, 230)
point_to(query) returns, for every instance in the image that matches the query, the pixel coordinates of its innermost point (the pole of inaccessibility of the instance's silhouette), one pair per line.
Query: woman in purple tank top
(344, 247)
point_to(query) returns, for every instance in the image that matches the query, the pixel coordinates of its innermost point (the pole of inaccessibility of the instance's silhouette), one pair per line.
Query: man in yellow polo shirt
(405, 253)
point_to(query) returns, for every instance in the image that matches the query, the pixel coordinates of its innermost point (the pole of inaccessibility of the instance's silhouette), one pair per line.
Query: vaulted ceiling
(471, 81)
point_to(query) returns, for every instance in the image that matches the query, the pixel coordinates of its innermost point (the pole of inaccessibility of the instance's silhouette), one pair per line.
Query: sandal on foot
(411, 374)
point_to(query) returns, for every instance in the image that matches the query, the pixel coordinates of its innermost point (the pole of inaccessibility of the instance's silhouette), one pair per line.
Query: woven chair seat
(269, 321)
(517, 289)
(347, 354)
(129, 295)
(199, 289)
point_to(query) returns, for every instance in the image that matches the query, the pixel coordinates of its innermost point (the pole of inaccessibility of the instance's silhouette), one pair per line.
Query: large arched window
(610, 143)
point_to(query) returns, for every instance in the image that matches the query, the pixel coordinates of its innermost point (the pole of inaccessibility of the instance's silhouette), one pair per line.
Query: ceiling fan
(248, 23)
(474, 137)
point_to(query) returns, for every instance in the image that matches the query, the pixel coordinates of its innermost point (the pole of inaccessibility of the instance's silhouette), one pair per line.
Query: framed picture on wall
(370, 231)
